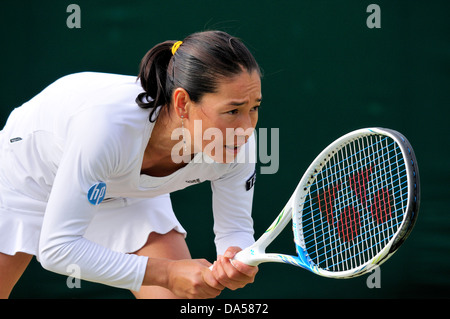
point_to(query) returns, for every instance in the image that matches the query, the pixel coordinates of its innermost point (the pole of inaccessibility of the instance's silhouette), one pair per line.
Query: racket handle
(242, 256)
(212, 266)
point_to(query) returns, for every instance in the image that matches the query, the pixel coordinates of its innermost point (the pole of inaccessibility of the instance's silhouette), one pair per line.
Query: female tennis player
(88, 165)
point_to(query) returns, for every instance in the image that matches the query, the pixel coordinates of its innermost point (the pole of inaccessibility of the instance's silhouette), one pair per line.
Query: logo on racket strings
(96, 193)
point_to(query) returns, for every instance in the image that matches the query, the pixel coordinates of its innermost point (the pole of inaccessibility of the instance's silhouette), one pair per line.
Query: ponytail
(153, 76)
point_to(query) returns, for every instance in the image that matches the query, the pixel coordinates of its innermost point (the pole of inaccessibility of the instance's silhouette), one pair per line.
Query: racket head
(356, 203)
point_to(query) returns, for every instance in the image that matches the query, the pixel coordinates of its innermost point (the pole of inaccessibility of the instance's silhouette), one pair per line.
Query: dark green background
(326, 73)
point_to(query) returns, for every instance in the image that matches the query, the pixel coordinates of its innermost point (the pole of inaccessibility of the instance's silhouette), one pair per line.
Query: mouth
(234, 149)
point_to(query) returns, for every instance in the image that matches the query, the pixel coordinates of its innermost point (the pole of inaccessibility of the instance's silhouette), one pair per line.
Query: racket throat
(250, 256)
(256, 253)
(253, 257)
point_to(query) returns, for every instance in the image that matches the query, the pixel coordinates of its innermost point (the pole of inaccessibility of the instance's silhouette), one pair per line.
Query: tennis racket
(353, 208)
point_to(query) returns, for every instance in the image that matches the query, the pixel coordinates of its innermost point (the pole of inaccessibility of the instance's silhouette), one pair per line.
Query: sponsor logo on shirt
(193, 181)
(96, 193)
(251, 182)
(15, 139)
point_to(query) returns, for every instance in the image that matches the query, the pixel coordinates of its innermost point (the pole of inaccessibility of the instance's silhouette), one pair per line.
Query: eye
(232, 112)
(256, 108)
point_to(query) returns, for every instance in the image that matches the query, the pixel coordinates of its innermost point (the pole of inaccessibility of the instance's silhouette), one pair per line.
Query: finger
(229, 276)
(219, 272)
(212, 287)
(248, 270)
(241, 267)
(234, 273)
(231, 251)
(211, 280)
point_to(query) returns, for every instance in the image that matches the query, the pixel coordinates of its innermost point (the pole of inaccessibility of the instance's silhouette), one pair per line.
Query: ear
(181, 102)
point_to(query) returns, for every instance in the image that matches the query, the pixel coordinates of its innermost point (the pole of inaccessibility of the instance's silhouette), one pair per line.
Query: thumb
(231, 252)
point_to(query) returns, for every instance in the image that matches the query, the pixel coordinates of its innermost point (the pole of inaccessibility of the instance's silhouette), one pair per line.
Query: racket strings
(356, 203)
(336, 169)
(323, 188)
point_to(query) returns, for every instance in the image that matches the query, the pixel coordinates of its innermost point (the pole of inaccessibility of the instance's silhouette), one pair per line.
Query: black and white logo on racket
(96, 193)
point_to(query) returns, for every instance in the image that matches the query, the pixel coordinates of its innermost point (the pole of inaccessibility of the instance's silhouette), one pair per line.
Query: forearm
(96, 263)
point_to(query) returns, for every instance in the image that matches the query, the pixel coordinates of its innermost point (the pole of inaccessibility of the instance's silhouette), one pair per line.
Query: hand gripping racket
(353, 208)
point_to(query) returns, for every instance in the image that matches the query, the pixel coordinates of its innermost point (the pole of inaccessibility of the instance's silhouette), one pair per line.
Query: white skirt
(122, 225)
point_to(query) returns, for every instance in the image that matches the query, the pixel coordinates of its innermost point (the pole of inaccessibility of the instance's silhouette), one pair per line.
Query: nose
(245, 129)
(247, 121)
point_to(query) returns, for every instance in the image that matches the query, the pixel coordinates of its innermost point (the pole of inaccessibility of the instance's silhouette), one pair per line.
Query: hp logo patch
(96, 193)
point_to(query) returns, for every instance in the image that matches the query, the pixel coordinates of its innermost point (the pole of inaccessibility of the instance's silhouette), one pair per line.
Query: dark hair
(199, 63)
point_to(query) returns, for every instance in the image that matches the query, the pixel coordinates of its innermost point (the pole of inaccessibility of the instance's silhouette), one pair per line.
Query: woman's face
(220, 123)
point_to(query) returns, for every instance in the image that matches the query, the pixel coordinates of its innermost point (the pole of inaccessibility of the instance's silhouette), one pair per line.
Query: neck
(157, 159)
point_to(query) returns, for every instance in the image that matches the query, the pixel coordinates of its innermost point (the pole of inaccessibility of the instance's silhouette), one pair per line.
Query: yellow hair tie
(175, 46)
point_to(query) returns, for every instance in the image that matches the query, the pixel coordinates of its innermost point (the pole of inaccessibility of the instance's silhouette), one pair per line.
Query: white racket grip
(245, 256)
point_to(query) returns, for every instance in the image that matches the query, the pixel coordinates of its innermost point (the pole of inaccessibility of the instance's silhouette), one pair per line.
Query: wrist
(157, 272)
